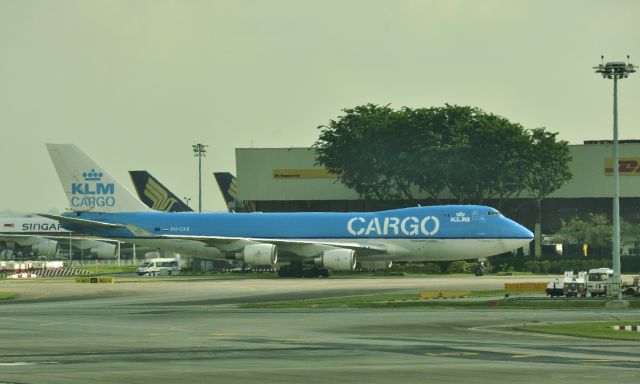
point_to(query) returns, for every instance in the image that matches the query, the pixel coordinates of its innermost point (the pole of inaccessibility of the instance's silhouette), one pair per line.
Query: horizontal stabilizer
(83, 222)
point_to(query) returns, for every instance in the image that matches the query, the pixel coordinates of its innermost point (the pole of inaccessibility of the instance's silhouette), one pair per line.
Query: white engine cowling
(46, 247)
(385, 264)
(338, 260)
(104, 251)
(260, 254)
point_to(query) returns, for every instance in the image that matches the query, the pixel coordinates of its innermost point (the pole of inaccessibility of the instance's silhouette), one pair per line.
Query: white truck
(597, 281)
(159, 266)
(570, 285)
(575, 285)
(555, 288)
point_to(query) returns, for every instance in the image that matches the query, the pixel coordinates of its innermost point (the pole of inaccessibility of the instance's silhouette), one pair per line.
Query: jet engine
(385, 264)
(337, 260)
(104, 251)
(46, 247)
(260, 254)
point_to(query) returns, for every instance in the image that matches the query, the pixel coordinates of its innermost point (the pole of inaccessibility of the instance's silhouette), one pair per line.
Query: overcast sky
(136, 83)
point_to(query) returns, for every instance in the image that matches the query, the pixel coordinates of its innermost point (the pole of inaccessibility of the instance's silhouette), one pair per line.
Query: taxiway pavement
(191, 330)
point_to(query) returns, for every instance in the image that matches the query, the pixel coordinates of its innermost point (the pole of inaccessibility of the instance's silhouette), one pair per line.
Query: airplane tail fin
(228, 187)
(155, 195)
(87, 186)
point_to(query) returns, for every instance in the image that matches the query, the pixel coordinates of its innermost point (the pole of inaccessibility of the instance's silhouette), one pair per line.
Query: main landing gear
(298, 270)
(480, 268)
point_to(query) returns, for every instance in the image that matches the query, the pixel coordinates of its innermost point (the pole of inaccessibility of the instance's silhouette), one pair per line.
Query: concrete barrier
(632, 328)
(443, 294)
(525, 287)
(95, 280)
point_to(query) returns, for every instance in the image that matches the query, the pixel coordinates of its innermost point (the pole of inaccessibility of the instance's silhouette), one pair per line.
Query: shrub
(459, 267)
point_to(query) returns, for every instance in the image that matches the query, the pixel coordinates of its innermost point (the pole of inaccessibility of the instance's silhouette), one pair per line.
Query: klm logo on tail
(158, 196)
(92, 192)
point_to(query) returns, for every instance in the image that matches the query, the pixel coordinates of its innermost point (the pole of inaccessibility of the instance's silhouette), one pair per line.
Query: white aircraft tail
(87, 185)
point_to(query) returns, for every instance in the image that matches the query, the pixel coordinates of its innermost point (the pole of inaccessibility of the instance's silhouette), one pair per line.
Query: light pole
(200, 152)
(187, 200)
(615, 70)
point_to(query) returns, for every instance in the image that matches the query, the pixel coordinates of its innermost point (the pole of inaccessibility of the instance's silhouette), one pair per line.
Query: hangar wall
(280, 174)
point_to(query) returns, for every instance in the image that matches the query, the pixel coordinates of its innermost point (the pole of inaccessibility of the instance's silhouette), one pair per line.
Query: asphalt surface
(191, 330)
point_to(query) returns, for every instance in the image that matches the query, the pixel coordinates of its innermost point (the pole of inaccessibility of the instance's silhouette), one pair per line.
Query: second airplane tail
(87, 186)
(155, 195)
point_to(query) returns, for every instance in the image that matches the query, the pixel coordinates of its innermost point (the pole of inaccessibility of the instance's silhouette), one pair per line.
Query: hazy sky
(136, 83)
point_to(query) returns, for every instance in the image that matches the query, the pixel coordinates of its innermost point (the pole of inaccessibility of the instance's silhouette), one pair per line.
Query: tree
(596, 231)
(484, 158)
(381, 153)
(351, 148)
(548, 170)
(387, 154)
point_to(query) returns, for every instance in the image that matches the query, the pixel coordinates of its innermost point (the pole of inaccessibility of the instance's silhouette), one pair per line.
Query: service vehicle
(597, 281)
(574, 285)
(555, 288)
(634, 288)
(159, 266)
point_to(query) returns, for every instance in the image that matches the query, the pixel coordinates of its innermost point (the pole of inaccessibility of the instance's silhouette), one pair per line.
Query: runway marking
(523, 356)
(445, 354)
(221, 335)
(286, 341)
(596, 362)
(48, 324)
(22, 363)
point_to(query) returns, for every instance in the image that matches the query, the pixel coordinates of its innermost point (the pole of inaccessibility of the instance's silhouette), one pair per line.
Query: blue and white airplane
(304, 244)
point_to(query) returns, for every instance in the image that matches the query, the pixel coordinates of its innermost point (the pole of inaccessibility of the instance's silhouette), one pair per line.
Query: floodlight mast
(616, 70)
(199, 151)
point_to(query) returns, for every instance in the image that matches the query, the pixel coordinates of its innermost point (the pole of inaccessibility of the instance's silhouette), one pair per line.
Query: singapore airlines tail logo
(158, 196)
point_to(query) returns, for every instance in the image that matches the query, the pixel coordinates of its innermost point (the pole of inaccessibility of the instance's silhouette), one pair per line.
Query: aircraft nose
(518, 231)
(524, 232)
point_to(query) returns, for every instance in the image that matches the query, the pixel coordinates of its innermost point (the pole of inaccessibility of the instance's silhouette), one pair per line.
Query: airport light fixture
(199, 151)
(616, 70)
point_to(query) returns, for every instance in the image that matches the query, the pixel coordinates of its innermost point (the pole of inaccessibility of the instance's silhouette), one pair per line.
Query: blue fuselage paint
(435, 222)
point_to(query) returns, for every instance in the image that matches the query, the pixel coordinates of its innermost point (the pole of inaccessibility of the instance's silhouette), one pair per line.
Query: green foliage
(548, 162)
(560, 266)
(596, 231)
(459, 267)
(387, 154)
(426, 268)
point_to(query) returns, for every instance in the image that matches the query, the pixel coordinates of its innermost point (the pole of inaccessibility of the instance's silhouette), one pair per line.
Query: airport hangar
(288, 179)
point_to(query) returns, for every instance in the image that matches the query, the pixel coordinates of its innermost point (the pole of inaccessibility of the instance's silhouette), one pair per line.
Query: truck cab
(597, 281)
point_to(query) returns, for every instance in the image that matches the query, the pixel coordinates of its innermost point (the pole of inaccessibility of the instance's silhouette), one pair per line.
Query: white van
(160, 266)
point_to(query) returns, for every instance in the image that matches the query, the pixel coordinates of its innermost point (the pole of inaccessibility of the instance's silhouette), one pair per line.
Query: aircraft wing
(298, 247)
(87, 223)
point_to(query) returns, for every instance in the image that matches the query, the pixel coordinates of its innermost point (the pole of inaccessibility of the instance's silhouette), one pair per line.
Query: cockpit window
(493, 213)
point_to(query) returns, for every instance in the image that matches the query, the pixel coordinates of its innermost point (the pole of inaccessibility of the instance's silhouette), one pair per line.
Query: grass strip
(411, 300)
(601, 330)
(8, 295)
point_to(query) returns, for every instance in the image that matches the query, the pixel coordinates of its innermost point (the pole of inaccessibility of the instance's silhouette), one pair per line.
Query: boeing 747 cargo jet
(304, 244)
